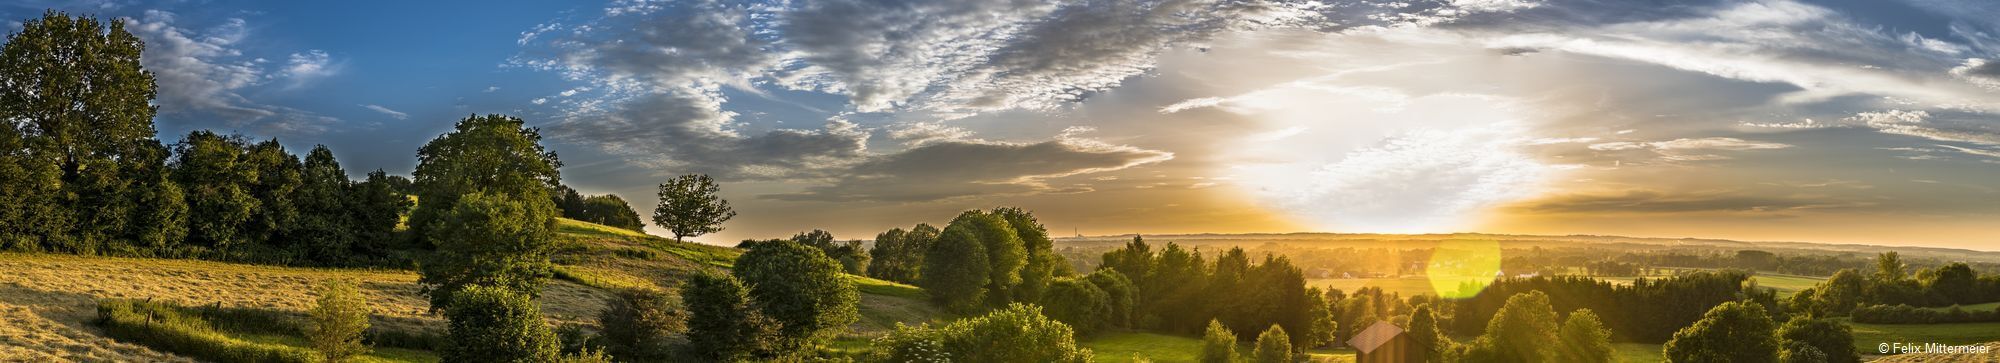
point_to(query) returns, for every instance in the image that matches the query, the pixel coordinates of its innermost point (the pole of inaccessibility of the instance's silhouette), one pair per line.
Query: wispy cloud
(386, 111)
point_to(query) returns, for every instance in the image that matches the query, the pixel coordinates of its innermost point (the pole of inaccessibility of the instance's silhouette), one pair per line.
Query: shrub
(638, 323)
(1735, 331)
(1218, 344)
(490, 324)
(337, 322)
(1017, 333)
(800, 288)
(722, 326)
(171, 329)
(1273, 346)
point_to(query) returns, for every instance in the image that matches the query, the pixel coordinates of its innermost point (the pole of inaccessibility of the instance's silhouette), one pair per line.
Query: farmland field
(1868, 337)
(1637, 353)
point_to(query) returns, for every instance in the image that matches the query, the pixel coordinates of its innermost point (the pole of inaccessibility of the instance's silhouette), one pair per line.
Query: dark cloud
(944, 170)
(1650, 201)
(688, 134)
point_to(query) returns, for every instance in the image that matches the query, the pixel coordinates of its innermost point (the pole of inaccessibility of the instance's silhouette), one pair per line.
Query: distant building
(1385, 343)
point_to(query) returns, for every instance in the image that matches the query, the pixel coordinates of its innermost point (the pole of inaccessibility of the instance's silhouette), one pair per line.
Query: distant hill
(1368, 240)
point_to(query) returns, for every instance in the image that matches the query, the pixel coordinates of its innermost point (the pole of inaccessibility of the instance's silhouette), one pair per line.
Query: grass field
(1868, 337)
(1637, 353)
(1126, 346)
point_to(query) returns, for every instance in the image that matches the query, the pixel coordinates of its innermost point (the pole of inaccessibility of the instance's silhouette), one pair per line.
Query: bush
(639, 322)
(1273, 346)
(1832, 340)
(173, 330)
(722, 326)
(337, 322)
(1017, 333)
(800, 288)
(1077, 302)
(1218, 344)
(490, 324)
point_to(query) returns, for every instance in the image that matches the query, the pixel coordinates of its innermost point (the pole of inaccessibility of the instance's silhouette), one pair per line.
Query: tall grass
(174, 330)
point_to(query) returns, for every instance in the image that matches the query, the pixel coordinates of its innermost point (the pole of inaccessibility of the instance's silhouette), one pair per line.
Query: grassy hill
(53, 297)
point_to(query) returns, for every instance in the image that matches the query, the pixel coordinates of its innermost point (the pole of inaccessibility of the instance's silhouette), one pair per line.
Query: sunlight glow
(1461, 268)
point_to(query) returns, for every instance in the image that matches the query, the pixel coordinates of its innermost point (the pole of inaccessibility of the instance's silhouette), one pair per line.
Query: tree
(81, 104)
(494, 155)
(1273, 346)
(376, 206)
(1834, 341)
(1172, 296)
(1584, 339)
(610, 210)
(1842, 292)
(1079, 303)
(639, 321)
(216, 181)
(491, 324)
(1731, 332)
(1042, 261)
(1889, 267)
(1956, 282)
(1119, 293)
(722, 325)
(690, 207)
(800, 288)
(898, 255)
(324, 230)
(1523, 329)
(1005, 254)
(1218, 344)
(489, 240)
(1321, 325)
(337, 322)
(956, 271)
(32, 217)
(276, 175)
(1016, 333)
(1424, 334)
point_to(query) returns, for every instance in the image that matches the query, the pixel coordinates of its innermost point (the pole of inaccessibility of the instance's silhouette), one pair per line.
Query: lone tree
(1218, 344)
(484, 205)
(690, 207)
(1734, 331)
(1273, 346)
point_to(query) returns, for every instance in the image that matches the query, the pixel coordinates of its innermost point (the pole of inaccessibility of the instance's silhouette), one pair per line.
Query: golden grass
(63, 289)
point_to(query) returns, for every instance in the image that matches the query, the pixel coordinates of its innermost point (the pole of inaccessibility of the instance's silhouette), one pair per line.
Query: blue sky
(1820, 120)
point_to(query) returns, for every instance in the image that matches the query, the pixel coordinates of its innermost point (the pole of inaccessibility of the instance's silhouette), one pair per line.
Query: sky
(1852, 121)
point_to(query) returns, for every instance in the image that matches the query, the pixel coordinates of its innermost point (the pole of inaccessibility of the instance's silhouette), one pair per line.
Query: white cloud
(203, 75)
(387, 111)
(304, 68)
(1706, 143)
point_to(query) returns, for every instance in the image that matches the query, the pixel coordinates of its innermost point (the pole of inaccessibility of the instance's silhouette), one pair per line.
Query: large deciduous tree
(217, 181)
(81, 117)
(1830, 338)
(324, 231)
(956, 271)
(1523, 329)
(690, 206)
(490, 240)
(492, 155)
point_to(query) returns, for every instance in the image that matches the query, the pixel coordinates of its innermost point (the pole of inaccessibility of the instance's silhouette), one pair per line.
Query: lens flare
(1461, 268)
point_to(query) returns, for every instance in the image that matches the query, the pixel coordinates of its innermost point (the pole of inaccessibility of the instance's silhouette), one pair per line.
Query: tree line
(1890, 284)
(82, 172)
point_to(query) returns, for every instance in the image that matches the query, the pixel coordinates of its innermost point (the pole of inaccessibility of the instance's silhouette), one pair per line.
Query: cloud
(387, 111)
(1928, 125)
(691, 134)
(952, 169)
(1652, 201)
(203, 74)
(1706, 143)
(304, 68)
(1982, 72)
(920, 133)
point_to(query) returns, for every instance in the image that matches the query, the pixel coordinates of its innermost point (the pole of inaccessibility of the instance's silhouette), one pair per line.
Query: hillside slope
(49, 300)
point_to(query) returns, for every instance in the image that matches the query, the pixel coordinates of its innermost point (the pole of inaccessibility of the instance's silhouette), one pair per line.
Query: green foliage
(639, 322)
(1273, 346)
(1322, 328)
(1005, 254)
(1042, 263)
(492, 324)
(494, 155)
(489, 240)
(1218, 344)
(170, 329)
(1832, 340)
(1800, 352)
(377, 206)
(1079, 303)
(1731, 332)
(1522, 330)
(1172, 296)
(81, 119)
(610, 210)
(1017, 333)
(853, 258)
(799, 287)
(276, 175)
(1841, 293)
(337, 322)
(217, 182)
(324, 229)
(1584, 339)
(1423, 332)
(898, 255)
(956, 271)
(722, 325)
(1119, 293)
(690, 206)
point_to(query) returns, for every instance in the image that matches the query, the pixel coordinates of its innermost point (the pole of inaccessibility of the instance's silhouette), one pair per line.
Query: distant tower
(1079, 232)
